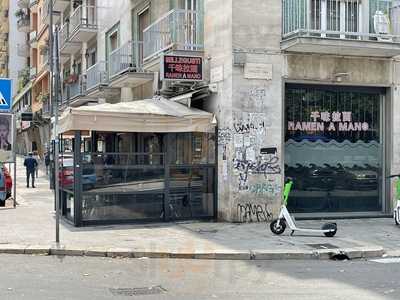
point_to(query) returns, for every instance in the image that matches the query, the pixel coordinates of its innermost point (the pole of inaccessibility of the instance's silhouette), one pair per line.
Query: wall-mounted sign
(182, 68)
(6, 137)
(217, 74)
(5, 94)
(329, 121)
(258, 71)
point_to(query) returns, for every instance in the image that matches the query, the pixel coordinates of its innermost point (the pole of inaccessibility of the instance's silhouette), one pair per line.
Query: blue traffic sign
(5, 94)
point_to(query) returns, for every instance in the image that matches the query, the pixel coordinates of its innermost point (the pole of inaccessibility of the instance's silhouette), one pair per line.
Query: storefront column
(166, 177)
(77, 180)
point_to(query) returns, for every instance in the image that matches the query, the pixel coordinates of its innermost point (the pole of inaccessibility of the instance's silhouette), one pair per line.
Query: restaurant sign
(182, 68)
(329, 121)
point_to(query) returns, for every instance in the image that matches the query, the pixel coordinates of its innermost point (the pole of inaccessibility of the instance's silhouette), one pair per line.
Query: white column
(343, 13)
(360, 19)
(324, 14)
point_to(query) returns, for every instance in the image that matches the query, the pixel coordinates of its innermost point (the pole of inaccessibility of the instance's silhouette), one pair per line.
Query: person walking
(37, 158)
(47, 162)
(30, 164)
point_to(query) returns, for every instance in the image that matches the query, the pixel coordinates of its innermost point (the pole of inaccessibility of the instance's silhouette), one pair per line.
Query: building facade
(305, 89)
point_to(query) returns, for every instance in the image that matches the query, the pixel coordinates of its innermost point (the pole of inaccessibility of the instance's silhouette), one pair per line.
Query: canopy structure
(150, 115)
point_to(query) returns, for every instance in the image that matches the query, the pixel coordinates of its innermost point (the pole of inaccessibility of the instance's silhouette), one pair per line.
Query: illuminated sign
(327, 121)
(182, 68)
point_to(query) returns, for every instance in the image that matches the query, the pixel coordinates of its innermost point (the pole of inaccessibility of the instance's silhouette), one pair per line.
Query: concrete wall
(249, 109)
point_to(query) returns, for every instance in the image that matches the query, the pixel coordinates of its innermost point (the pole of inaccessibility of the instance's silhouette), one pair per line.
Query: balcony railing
(342, 19)
(64, 33)
(83, 17)
(178, 29)
(96, 75)
(129, 57)
(46, 106)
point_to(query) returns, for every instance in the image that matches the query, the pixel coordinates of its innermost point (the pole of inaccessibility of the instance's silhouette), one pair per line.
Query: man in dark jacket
(30, 164)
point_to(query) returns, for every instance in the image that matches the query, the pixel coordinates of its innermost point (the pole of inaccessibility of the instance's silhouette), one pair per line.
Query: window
(333, 148)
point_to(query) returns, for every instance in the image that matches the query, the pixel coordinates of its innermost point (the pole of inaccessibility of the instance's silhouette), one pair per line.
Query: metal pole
(54, 101)
(57, 141)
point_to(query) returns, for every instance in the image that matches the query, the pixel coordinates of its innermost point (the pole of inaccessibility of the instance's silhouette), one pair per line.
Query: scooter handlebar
(393, 176)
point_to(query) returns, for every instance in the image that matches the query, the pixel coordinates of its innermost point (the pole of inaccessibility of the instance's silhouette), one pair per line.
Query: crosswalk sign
(5, 94)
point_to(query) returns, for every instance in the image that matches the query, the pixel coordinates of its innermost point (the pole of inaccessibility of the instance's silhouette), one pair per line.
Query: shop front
(160, 167)
(334, 148)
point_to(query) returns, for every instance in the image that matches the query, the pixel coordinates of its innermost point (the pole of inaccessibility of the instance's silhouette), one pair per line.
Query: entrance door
(333, 148)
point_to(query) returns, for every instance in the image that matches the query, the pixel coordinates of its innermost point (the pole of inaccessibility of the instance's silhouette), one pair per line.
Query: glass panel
(191, 192)
(118, 186)
(333, 149)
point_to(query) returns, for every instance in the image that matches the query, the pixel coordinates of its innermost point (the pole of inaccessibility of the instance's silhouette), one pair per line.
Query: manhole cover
(153, 290)
(322, 246)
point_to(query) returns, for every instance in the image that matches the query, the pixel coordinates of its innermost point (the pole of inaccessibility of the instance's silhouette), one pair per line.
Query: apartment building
(305, 89)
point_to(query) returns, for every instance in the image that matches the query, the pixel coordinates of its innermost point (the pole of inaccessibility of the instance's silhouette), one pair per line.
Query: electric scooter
(396, 200)
(278, 226)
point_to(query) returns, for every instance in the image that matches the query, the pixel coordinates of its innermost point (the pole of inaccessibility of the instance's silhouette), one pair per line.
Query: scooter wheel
(330, 226)
(278, 229)
(396, 221)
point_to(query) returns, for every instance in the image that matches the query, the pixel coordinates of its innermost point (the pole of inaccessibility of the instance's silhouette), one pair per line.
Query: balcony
(24, 4)
(126, 66)
(32, 73)
(341, 27)
(24, 23)
(177, 30)
(33, 39)
(83, 24)
(96, 76)
(46, 107)
(74, 93)
(67, 46)
(23, 50)
(33, 5)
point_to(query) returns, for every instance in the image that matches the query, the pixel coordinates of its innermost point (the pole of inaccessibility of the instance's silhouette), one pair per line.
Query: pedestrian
(37, 158)
(47, 162)
(30, 164)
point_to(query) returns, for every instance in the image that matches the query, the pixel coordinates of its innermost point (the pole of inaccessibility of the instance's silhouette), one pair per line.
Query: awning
(151, 115)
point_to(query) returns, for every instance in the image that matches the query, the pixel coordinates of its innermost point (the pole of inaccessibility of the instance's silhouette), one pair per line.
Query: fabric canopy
(151, 115)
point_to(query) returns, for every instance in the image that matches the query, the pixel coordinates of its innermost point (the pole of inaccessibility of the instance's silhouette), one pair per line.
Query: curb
(350, 253)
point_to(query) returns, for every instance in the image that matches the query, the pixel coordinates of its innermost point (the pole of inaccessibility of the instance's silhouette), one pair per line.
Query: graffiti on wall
(254, 212)
(224, 136)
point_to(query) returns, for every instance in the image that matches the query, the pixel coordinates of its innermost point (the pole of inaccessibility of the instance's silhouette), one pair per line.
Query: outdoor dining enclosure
(111, 176)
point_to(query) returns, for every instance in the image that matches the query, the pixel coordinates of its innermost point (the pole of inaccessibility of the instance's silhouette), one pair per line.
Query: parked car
(66, 174)
(5, 184)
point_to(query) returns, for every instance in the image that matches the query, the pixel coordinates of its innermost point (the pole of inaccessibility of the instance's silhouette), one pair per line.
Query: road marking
(390, 260)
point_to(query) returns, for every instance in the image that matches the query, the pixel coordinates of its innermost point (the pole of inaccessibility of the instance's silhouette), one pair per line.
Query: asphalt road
(50, 277)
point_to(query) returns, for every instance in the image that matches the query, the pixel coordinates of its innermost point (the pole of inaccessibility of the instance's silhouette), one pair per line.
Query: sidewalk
(30, 229)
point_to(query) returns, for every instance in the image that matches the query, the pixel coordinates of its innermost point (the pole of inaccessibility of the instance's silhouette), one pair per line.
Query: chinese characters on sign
(327, 121)
(175, 67)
